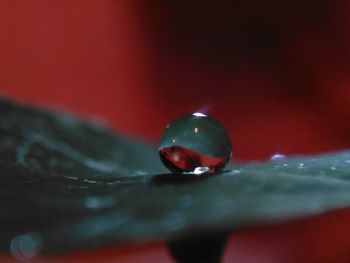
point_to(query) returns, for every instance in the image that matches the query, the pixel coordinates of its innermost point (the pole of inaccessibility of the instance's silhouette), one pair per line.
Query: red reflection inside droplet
(181, 160)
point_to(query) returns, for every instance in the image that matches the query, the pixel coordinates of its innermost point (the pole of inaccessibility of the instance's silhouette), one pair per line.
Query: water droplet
(26, 246)
(278, 157)
(333, 168)
(195, 144)
(301, 165)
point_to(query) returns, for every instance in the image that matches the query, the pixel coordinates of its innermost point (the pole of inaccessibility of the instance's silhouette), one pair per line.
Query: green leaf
(78, 186)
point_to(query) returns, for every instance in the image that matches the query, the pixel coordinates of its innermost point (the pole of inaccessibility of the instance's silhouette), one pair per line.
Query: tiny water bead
(278, 157)
(195, 144)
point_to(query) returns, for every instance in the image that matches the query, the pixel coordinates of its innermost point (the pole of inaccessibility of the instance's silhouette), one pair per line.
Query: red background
(275, 74)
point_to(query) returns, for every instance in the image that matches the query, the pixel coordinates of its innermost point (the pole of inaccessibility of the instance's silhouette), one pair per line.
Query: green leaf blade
(79, 186)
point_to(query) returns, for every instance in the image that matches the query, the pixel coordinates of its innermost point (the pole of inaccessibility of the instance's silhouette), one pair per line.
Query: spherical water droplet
(278, 157)
(195, 144)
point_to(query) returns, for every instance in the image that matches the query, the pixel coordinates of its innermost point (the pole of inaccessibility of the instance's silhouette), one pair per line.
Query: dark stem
(205, 249)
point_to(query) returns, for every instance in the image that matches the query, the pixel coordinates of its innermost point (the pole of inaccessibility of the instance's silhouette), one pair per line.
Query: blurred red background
(276, 74)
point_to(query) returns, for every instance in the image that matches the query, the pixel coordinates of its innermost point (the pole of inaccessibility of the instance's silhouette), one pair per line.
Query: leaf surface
(77, 185)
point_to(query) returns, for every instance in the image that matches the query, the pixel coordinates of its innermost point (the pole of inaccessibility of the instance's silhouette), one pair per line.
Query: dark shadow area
(231, 32)
(200, 249)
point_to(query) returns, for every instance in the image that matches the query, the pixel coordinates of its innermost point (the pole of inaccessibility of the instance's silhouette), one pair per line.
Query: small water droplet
(278, 157)
(27, 246)
(195, 144)
(301, 165)
(333, 168)
(347, 161)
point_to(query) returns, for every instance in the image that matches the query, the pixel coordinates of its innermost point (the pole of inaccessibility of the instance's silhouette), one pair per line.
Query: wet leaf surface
(79, 186)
